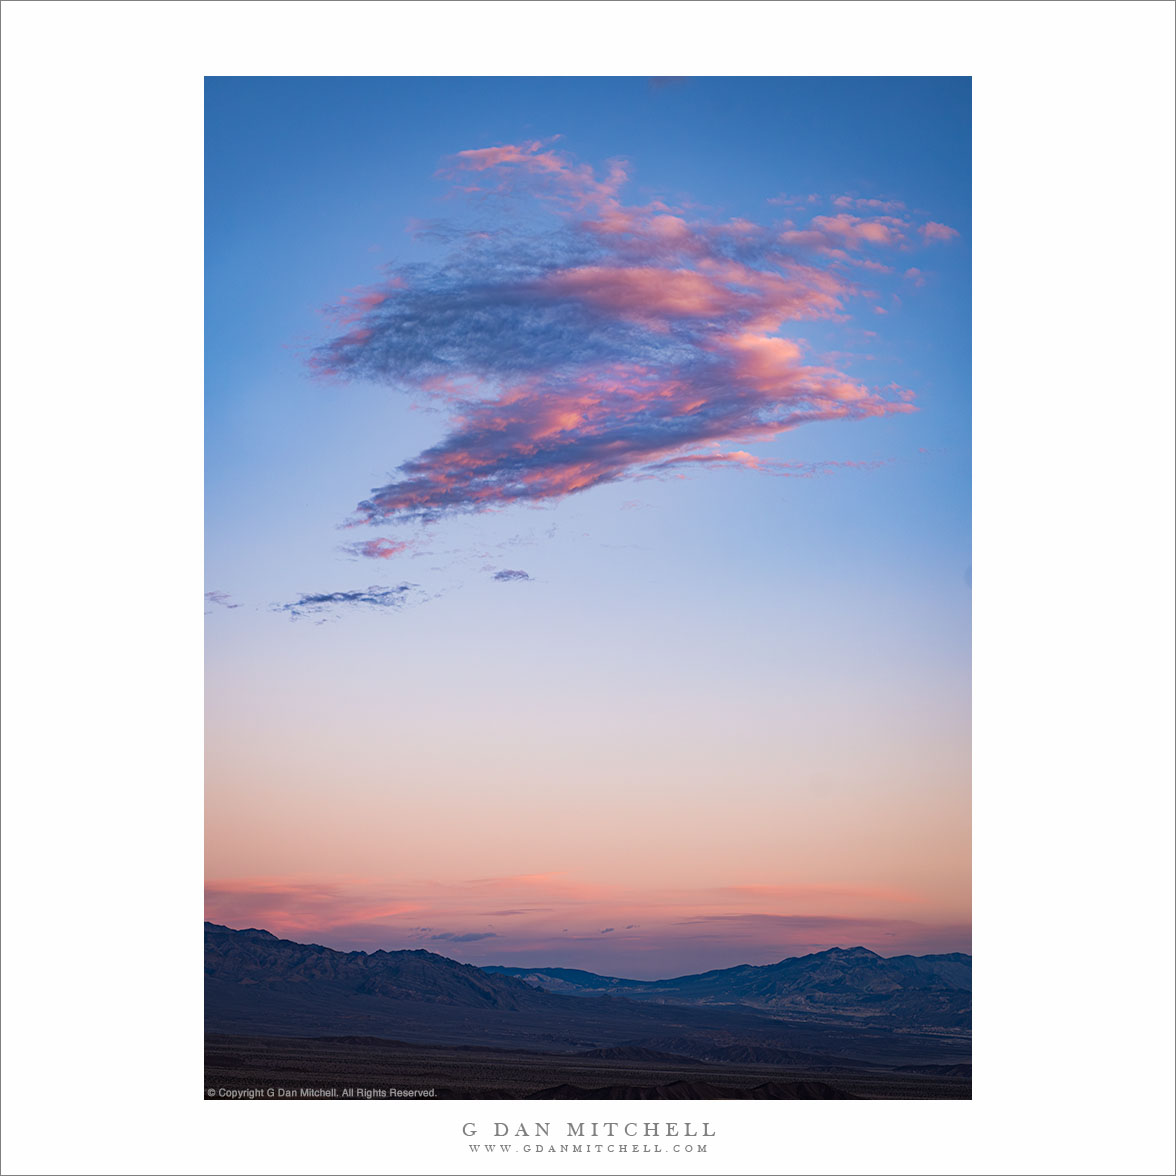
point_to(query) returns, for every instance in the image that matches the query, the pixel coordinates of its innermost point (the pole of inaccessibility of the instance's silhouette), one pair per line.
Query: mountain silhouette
(257, 957)
(278, 1011)
(931, 991)
(259, 985)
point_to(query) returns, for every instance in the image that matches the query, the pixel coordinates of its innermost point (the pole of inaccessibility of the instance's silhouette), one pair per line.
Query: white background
(1073, 575)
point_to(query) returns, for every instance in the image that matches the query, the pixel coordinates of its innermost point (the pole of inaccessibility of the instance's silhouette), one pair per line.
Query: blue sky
(727, 642)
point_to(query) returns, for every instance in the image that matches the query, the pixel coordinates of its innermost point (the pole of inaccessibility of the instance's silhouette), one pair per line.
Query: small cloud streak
(330, 603)
(382, 548)
(582, 340)
(509, 575)
(869, 204)
(740, 459)
(221, 598)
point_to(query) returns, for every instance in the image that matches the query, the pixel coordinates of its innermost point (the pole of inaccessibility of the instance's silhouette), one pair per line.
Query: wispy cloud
(382, 548)
(740, 459)
(318, 603)
(581, 340)
(933, 231)
(508, 575)
(869, 204)
(789, 200)
(219, 598)
(297, 907)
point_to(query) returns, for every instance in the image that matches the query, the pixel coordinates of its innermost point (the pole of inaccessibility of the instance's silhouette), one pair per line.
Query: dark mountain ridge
(931, 991)
(952, 969)
(257, 957)
(257, 985)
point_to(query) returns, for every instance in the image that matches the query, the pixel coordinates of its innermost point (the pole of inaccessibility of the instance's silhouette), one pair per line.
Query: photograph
(588, 588)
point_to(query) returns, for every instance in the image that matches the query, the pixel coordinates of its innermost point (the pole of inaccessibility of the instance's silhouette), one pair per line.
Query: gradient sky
(588, 516)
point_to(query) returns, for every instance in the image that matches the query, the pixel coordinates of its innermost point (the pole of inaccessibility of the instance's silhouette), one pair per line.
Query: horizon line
(558, 967)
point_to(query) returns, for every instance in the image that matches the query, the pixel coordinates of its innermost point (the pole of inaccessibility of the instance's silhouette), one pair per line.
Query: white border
(1073, 557)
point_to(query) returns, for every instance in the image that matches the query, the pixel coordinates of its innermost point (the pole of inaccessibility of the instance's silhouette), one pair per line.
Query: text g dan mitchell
(602, 1130)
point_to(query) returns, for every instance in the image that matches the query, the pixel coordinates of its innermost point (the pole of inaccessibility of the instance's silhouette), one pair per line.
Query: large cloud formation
(600, 341)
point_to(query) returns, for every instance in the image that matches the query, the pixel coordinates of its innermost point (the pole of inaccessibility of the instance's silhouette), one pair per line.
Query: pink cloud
(648, 292)
(845, 231)
(382, 548)
(290, 906)
(856, 231)
(352, 307)
(616, 340)
(566, 181)
(934, 231)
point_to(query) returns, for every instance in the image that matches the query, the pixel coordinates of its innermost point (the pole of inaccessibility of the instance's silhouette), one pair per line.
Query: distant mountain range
(931, 991)
(835, 1009)
(257, 957)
